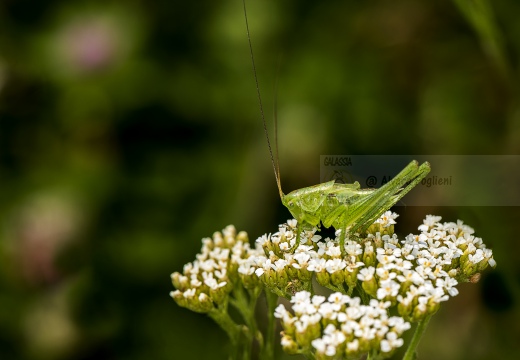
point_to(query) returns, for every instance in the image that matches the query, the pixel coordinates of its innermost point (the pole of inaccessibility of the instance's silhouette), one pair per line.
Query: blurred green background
(130, 129)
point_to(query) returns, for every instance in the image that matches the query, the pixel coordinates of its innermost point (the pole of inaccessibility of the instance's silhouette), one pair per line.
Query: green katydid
(346, 207)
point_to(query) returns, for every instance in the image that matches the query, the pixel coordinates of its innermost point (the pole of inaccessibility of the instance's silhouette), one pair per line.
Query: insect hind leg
(388, 195)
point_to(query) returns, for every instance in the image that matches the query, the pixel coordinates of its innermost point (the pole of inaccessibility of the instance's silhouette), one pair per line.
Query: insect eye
(291, 204)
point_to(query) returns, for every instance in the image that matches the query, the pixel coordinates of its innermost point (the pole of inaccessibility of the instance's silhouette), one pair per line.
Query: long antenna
(275, 117)
(275, 166)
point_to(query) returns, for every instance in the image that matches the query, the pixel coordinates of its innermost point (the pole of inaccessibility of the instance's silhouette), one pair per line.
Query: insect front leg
(299, 229)
(342, 237)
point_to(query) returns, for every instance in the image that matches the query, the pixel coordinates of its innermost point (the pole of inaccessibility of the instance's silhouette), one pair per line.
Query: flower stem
(340, 288)
(419, 331)
(256, 333)
(227, 324)
(480, 15)
(272, 300)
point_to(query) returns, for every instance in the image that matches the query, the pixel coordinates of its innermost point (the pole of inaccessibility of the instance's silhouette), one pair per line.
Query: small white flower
(293, 223)
(492, 262)
(259, 260)
(259, 272)
(448, 284)
(331, 350)
(307, 249)
(319, 345)
(317, 265)
(280, 312)
(301, 296)
(438, 272)
(263, 239)
(221, 274)
(327, 312)
(423, 272)
(338, 300)
(354, 249)
(412, 276)
(284, 246)
(338, 337)
(382, 305)
(387, 219)
(188, 268)
(405, 300)
(316, 238)
(317, 300)
(387, 288)
(279, 265)
(286, 341)
(391, 342)
(438, 296)
(429, 262)
(354, 312)
(326, 346)
(398, 324)
(304, 308)
(208, 265)
(333, 251)
(194, 282)
(213, 284)
(246, 269)
(323, 247)
(341, 316)
(334, 265)
(264, 267)
(301, 325)
(203, 297)
(431, 220)
(366, 274)
(477, 257)
(402, 264)
(383, 258)
(302, 260)
(352, 266)
(465, 228)
(353, 345)
(305, 320)
(189, 293)
(384, 273)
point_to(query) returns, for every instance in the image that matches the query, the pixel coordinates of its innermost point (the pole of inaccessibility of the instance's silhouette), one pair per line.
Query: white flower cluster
(416, 273)
(411, 276)
(339, 326)
(423, 270)
(285, 272)
(207, 281)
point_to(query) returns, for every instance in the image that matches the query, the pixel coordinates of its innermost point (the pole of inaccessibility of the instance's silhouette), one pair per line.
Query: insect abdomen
(331, 210)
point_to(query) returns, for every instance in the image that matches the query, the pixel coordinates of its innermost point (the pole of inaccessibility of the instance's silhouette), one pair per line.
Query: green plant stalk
(419, 331)
(272, 300)
(246, 305)
(340, 289)
(480, 16)
(364, 297)
(253, 298)
(222, 318)
(308, 354)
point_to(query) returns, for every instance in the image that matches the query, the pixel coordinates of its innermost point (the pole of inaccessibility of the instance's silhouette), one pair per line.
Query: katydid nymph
(346, 207)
